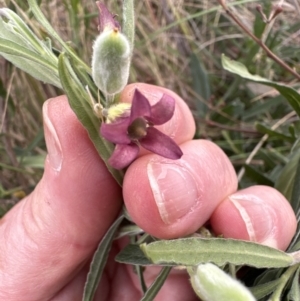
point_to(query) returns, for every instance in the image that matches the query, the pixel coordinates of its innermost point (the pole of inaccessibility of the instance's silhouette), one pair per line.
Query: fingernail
(259, 218)
(174, 189)
(55, 156)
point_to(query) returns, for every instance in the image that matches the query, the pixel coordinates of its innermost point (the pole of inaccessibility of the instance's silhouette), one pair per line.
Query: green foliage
(79, 102)
(99, 261)
(194, 251)
(251, 111)
(157, 284)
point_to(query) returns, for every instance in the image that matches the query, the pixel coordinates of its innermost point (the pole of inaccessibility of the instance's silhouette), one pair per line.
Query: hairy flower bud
(119, 110)
(111, 55)
(212, 284)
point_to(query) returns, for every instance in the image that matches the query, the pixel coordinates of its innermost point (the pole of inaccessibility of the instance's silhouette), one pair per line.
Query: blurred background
(178, 45)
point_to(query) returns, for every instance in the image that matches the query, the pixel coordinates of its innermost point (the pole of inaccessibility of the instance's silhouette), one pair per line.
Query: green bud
(212, 284)
(111, 55)
(111, 61)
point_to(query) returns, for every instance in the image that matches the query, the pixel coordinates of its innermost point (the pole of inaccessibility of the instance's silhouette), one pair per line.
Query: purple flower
(128, 132)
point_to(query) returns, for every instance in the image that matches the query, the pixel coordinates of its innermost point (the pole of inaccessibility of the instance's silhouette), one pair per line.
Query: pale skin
(49, 237)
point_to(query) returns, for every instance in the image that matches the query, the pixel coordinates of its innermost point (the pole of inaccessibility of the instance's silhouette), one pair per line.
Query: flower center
(137, 129)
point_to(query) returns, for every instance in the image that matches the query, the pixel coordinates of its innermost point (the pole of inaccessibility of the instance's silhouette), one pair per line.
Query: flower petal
(163, 110)
(106, 18)
(140, 106)
(116, 132)
(161, 144)
(123, 155)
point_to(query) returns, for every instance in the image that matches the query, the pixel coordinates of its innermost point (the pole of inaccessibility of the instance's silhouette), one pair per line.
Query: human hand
(49, 237)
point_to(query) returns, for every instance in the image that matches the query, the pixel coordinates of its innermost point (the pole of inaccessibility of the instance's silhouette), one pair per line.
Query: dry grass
(168, 34)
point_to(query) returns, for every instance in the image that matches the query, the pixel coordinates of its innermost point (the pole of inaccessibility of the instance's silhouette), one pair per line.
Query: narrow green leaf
(284, 280)
(294, 293)
(157, 284)
(12, 48)
(194, 251)
(29, 61)
(128, 26)
(99, 261)
(132, 254)
(200, 84)
(50, 30)
(37, 161)
(262, 108)
(140, 274)
(78, 99)
(268, 276)
(259, 25)
(291, 95)
(16, 30)
(269, 158)
(296, 125)
(43, 21)
(295, 203)
(295, 246)
(266, 130)
(231, 143)
(20, 46)
(285, 181)
(265, 289)
(296, 146)
(295, 199)
(257, 176)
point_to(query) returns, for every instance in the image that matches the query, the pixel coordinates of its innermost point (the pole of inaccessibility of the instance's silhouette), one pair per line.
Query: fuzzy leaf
(99, 261)
(30, 62)
(291, 95)
(78, 99)
(157, 284)
(13, 28)
(43, 21)
(50, 30)
(132, 254)
(194, 251)
(20, 46)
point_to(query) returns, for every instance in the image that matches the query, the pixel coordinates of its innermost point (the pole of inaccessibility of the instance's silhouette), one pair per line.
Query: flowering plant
(119, 130)
(107, 121)
(131, 130)
(133, 126)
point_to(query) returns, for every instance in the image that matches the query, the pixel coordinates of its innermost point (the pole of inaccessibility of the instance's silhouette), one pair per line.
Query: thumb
(51, 233)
